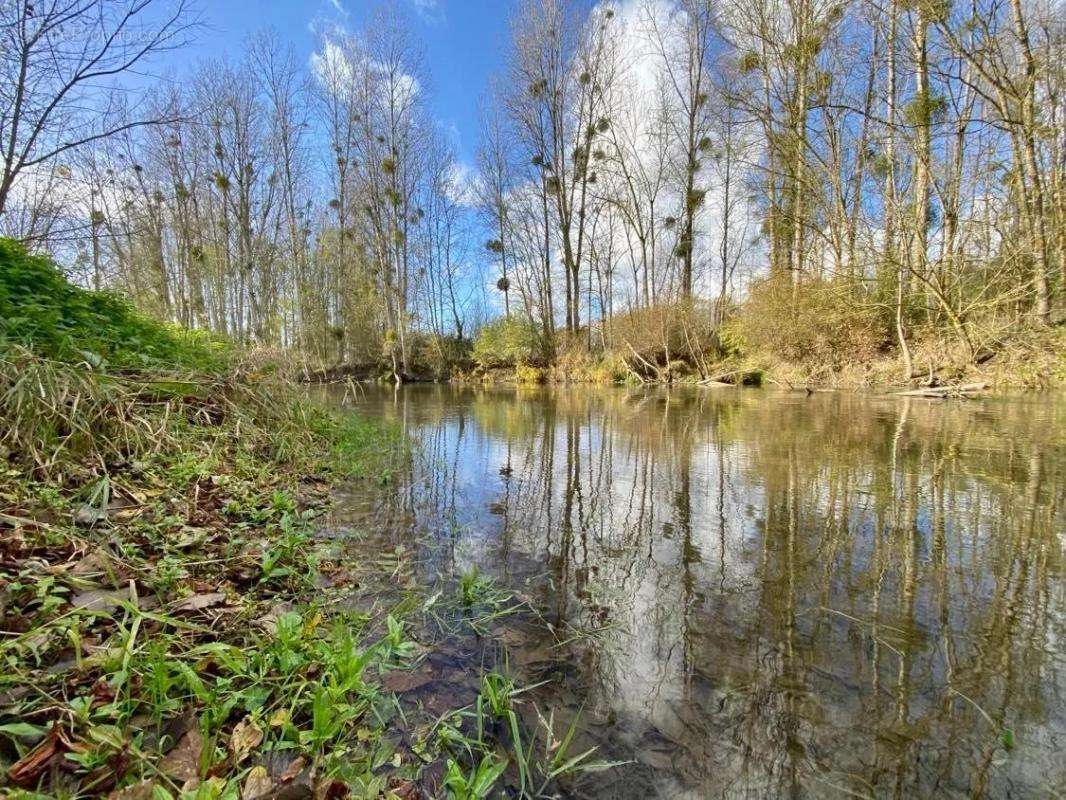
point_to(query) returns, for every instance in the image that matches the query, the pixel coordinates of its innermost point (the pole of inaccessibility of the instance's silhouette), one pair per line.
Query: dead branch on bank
(943, 392)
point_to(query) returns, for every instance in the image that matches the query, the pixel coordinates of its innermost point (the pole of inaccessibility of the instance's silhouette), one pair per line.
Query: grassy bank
(171, 623)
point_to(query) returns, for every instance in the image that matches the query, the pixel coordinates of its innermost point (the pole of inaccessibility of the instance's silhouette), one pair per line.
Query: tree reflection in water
(794, 596)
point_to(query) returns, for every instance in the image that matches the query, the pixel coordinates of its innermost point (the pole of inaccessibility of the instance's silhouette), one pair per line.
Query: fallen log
(941, 392)
(736, 377)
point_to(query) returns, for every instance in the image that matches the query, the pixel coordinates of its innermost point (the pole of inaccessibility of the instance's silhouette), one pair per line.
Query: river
(762, 594)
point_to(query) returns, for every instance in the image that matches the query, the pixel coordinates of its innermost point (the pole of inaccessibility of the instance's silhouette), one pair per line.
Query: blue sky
(464, 43)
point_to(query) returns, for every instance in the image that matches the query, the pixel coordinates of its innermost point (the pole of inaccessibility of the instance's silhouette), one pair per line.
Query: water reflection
(795, 596)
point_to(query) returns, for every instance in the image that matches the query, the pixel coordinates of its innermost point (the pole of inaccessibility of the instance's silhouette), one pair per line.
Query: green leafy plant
(475, 784)
(42, 310)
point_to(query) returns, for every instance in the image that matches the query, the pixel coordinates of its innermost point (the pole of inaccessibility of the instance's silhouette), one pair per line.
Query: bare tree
(684, 44)
(61, 66)
(495, 187)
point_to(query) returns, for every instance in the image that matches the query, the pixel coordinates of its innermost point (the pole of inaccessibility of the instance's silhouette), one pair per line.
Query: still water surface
(780, 595)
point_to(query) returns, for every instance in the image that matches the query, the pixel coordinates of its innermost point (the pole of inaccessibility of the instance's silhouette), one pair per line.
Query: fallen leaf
(183, 762)
(190, 536)
(198, 602)
(95, 563)
(257, 784)
(107, 600)
(102, 693)
(295, 768)
(269, 621)
(25, 771)
(145, 790)
(103, 600)
(245, 738)
(404, 789)
(400, 681)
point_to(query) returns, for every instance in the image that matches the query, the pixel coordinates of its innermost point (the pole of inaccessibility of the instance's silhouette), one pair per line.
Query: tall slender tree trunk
(799, 154)
(1034, 195)
(892, 260)
(922, 147)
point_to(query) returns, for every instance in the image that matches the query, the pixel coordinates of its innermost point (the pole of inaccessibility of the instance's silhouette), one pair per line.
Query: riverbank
(1030, 358)
(160, 609)
(177, 620)
(1034, 360)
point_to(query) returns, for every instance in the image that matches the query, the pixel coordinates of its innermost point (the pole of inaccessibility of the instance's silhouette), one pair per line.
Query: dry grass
(54, 413)
(1032, 358)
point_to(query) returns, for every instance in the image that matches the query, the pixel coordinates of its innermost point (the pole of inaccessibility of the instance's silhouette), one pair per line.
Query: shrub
(817, 322)
(610, 368)
(506, 342)
(666, 332)
(572, 357)
(524, 373)
(432, 354)
(40, 309)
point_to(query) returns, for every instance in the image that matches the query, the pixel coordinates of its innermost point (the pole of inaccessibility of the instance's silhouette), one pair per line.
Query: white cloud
(330, 64)
(429, 10)
(462, 184)
(340, 59)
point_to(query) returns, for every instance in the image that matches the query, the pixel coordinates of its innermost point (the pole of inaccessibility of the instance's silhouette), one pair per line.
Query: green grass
(486, 740)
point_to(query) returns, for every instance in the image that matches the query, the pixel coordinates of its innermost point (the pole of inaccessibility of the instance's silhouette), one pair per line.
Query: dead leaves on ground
(183, 762)
(257, 784)
(246, 737)
(27, 769)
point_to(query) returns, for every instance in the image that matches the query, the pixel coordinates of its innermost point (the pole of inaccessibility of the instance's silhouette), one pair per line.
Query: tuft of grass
(59, 417)
(475, 587)
(542, 756)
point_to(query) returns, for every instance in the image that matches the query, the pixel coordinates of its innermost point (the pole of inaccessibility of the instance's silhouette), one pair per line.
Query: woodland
(661, 186)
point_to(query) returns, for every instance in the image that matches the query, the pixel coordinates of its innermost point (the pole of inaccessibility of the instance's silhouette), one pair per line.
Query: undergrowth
(158, 579)
(41, 309)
